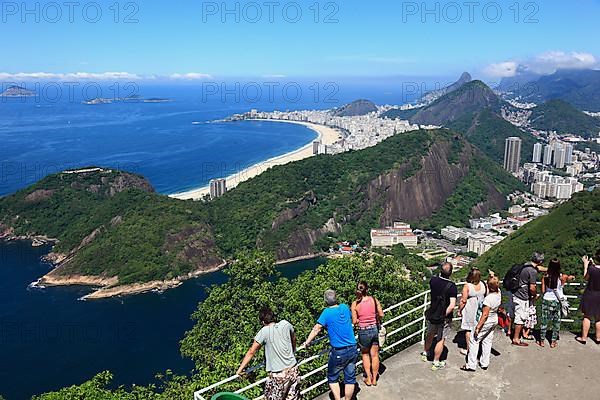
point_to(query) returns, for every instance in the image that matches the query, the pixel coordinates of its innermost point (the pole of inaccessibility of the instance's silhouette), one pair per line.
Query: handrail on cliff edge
(421, 319)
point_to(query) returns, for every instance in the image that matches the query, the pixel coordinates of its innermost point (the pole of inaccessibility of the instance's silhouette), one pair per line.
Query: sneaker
(424, 356)
(437, 365)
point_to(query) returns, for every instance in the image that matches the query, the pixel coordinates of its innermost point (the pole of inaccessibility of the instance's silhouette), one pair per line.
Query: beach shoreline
(327, 135)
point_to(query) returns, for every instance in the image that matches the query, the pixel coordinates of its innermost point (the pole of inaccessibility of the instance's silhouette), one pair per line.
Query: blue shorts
(368, 338)
(343, 359)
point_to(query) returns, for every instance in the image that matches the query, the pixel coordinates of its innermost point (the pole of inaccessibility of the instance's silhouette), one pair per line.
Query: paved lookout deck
(570, 371)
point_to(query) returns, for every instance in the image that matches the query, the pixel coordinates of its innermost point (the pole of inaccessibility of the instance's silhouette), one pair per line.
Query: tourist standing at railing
(471, 303)
(524, 296)
(439, 314)
(367, 315)
(336, 318)
(482, 336)
(279, 340)
(590, 302)
(553, 284)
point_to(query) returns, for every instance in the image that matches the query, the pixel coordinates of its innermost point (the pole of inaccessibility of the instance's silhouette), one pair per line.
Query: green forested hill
(568, 232)
(560, 116)
(112, 224)
(488, 131)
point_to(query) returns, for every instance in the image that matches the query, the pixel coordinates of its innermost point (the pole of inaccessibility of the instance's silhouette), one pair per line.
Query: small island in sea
(17, 91)
(128, 99)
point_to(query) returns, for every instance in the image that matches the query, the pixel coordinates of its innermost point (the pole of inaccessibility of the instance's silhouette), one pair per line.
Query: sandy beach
(326, 135)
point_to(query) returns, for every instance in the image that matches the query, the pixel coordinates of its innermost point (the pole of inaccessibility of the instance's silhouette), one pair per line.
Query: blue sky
(185, 39)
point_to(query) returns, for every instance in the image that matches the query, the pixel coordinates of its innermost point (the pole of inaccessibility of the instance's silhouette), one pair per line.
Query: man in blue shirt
(337, 319)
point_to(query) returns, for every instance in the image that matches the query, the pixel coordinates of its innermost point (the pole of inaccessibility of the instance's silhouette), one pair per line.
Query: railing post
(424, 325)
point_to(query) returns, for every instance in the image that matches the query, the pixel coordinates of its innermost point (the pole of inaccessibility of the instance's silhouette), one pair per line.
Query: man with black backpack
(439, 314)
(521, 283)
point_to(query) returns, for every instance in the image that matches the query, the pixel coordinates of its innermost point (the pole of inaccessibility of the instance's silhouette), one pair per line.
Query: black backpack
(436, 313)
(513, 278)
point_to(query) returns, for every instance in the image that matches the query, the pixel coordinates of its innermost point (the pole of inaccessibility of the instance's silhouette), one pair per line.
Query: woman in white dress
(471, 302)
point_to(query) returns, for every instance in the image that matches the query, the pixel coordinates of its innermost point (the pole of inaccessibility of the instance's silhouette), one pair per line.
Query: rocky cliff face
(399, 198)
(423, 193)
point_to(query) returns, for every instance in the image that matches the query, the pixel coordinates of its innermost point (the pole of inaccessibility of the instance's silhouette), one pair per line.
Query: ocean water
(173, 144)
(49, 339)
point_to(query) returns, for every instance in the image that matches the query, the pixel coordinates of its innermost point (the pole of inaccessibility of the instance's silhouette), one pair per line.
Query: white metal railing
(421, 319)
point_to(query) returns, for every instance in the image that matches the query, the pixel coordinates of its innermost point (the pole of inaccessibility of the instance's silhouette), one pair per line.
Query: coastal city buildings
(319, 148)
(512, 154)
(218, 187)
(399, 233)
(359, 132)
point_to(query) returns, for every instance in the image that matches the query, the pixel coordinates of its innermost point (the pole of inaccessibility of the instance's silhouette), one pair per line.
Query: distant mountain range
(474, 110)
(471, 97)
(581, 88)
(562, 117)
(433, 95)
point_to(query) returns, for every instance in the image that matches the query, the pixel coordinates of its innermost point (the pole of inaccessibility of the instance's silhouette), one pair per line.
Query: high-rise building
(560, 156)
(537, 153)
(568, 153)
(548, 150)
(512, 154)
(218, 187)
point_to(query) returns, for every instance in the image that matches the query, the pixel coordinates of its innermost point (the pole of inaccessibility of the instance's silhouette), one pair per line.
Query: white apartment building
(482, 242)
(399, 233)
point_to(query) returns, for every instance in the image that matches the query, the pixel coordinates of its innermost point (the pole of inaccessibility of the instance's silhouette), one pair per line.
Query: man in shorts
(524, 297)
(444, 290)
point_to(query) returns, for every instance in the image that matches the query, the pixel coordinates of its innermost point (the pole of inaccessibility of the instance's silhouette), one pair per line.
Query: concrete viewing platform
(570, 371)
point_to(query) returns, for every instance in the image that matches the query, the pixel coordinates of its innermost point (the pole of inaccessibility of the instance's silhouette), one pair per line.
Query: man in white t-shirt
(279, 340)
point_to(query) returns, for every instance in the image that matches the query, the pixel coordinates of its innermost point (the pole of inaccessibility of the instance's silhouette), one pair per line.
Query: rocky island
(17, 91)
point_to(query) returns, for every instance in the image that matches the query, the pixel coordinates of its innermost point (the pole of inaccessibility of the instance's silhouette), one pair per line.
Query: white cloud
(191, 76)
(549, 62)
(76, 76)
(545, 63)
(501, 70)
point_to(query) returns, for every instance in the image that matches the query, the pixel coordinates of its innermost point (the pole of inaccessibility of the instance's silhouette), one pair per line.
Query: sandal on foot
(541, 344)
(553, 345)
(580, 340)
(464, 368)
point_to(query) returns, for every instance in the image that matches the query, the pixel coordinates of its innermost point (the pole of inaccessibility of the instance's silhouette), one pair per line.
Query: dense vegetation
(560, 116)
(488, 132)
(316, 189)
(568, 232)
(117, 226)
(227, 320)
(484, 177)
(581, 88)
(135, 229)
